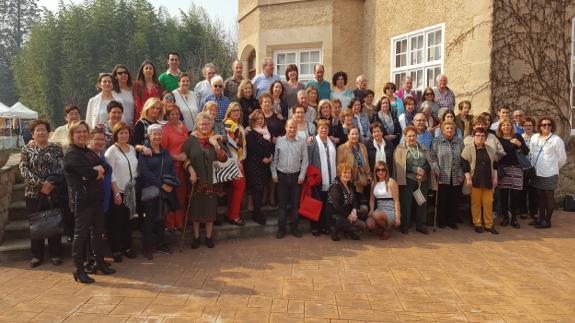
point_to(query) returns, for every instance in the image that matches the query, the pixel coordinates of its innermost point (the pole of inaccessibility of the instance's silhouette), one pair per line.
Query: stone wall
(8, 175)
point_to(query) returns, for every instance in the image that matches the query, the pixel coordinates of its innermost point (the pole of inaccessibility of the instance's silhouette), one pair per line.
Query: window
(573, 76)
(304, 59)
(418, 54)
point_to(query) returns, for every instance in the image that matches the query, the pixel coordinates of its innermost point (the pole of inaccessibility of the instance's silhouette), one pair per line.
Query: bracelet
(117, 194)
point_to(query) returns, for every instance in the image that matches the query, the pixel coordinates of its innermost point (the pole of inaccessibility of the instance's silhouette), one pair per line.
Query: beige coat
(345, 155)
(400, 165)
(492, 141)
(469, 154)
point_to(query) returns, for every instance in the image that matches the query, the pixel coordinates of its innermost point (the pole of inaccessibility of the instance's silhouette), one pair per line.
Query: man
(322, 86)
(169, 79)
(264, 80)
(204, 88)
(217, 96)
(231, 84)
(518, 118)
(302, 99)
(361, 87)
(60, 135)
(288, 168)
(503, 113)
(443, 95)
(424, 136)
(406, 90)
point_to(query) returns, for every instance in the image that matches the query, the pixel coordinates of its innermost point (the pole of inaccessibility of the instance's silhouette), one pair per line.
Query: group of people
(146, 149)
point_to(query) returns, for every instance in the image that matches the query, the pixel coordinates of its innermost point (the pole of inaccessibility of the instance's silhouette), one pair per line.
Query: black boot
(334, 234)
(505, 221)
(514, 222)
(536, 221)
(103, 268)
(81, 276)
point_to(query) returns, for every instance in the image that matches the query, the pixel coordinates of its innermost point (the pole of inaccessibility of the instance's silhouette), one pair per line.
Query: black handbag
(45, 224)
(151, 192)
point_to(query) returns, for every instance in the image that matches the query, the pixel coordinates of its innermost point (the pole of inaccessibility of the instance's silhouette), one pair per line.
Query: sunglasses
(122, 73)
(380, 170)
(169, 98)
(427, 93)
(217, 85)
(545, 125)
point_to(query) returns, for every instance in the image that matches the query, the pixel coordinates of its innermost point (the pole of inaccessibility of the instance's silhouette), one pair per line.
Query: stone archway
(248, 58)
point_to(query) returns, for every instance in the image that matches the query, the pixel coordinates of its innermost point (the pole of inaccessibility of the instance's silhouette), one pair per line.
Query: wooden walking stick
(186, 219)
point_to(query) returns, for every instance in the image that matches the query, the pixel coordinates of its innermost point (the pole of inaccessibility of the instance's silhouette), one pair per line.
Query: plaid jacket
(446, 159)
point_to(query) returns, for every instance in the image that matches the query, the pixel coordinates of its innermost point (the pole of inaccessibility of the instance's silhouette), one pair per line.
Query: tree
(18, 17)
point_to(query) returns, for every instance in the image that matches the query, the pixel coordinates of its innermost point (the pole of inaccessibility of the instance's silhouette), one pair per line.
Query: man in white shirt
(204, 88)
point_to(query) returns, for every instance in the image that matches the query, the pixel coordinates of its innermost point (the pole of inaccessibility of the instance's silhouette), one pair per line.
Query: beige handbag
(418, 195)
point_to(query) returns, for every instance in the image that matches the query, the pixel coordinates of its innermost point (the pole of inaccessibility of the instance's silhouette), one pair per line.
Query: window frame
(425, 64)
(572, 77)
(297, 52)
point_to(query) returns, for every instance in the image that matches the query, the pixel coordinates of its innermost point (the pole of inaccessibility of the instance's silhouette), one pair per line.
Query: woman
(203, 148)
(336, 110)
(146, 86)
(464, 119)
(247, 99)
(236, 141)
(347, 124)
(479, 163)
(335, 129)
(431, 120)
(279, 104)
(115, 111)
(96, 110)
(391, 126)
(274, 124)
(211, 107)
(152, 113)
(429, 96)
(340, 91)
(528, 202)
(174, 134)
(360, 119)
(511, 185)
(379, 149)
(156, 170)
(411, 168)
(41, 168)
(447, 116)
(341, 203)
(305, 130)
(547, 156)
(488, 122)
(406, 119)
(312, 102)
(85, 172)
(292, 86)
(122, 82)
(186, 100)
(354, 153)
(446, 165)
(395, 103)
(322, 155)
(368, 105)
(60, 135)
(383, 202)
(257, 164)
(121, 156)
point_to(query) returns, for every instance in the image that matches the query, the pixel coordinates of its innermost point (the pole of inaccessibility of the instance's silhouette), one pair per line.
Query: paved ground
(524, 275)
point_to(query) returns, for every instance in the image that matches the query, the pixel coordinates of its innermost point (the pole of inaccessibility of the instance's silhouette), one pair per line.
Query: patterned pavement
(523, 275)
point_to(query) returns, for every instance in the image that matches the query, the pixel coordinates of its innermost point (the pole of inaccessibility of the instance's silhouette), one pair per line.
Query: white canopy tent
(19, 111)
(3, 108)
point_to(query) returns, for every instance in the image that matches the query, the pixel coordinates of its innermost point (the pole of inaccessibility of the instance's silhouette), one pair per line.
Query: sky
(225, 10)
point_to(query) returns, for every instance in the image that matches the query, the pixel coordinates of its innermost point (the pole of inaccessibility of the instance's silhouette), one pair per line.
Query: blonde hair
(229, 110)
(75, 125)
(242, 86)
(150, 103)
(210, 104)
(501, 123)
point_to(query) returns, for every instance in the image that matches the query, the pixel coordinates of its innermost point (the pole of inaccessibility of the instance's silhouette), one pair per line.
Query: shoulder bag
(130, 190)
(226, 171)
(45, 224)
(151, 192)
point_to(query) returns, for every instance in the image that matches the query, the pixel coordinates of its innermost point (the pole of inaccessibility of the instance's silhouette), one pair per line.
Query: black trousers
(153, 225)
(528, 201)
(288, 194)
(447, 202)
(119, 229)
(37, 245)
(509, 201)
(342, 224)
(88, 234)
(323, 222)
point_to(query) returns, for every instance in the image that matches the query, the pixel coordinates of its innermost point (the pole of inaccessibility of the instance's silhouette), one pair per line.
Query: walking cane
(186, 219)
(435, 213)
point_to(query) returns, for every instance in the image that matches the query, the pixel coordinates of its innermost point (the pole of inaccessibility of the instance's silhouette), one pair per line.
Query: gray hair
(154, 127)
(301, 92)
(267, 60)
(209, 65)
(360, 78)
(439, 76)
(426, 104)
(215, 79)
(204, 115)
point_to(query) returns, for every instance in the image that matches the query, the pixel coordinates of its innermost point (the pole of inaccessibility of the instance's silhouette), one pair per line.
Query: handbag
(308, 206)
(226, 171)
(360, 177)
(45, 224)
(130, 190)
(151, 192)
(418, 196)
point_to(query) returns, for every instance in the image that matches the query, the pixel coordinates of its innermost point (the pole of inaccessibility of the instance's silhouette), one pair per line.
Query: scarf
(264, 132)
(328, 173)
(204, 140)
(409, 117)
(379, 152)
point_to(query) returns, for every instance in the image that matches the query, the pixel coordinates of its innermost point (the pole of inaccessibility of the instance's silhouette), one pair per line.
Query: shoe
(69, 239)
(535, 221)
(130, 254)
(165, 249)
(543, 225)
(514, 223)
(56, 261)
(104, 269)
(315, 233)
(505, 222)
(325, 231)
(35, 262)
(118, 257)
(149, 255)
(385, 234)
(280, 234)
(492, 230)
(196, 243)
(479, 229)
(260, 220)
(295, 232)
(454, 226)
(523, 216)
(238, 222)
(210, 242)
(422, 230)
(334, 235)
(82, 277)
(352, 235)
(404, 230)
(441, 226)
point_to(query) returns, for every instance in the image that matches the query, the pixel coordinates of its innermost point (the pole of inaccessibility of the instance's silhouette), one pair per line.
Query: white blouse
(552, 156)
(120, 168)
(188, 107)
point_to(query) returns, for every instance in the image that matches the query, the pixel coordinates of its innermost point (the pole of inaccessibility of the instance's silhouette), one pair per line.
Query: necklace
(415, 155)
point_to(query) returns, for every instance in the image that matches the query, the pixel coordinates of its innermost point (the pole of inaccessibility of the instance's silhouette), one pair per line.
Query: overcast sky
(225, 10)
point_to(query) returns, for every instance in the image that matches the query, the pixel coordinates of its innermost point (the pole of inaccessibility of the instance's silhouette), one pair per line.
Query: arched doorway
(248, 57)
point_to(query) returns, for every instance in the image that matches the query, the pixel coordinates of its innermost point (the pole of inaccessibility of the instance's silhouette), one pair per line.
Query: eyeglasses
(480, 136)
(545, 125)
(235, 110)
(419, 120)
(122, 73)
(169, 97)
(427, 93)
(380, 170)
(217, 85)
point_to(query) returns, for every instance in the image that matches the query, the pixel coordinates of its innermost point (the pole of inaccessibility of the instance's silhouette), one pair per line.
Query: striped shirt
(290, 157)
(222, 102)
(445, 99)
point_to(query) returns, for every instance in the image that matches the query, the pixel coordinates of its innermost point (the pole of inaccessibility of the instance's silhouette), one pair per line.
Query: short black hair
(114, 104)
(337, 75)
(38, 122)
(173, 53)
(71, 107)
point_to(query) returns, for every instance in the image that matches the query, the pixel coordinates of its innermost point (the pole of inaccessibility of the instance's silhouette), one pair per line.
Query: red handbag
(310, 207)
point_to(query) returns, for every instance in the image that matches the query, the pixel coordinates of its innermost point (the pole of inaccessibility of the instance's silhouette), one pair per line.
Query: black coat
(396, 127)
(371, 151)
(83, 188)
(340, 201)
